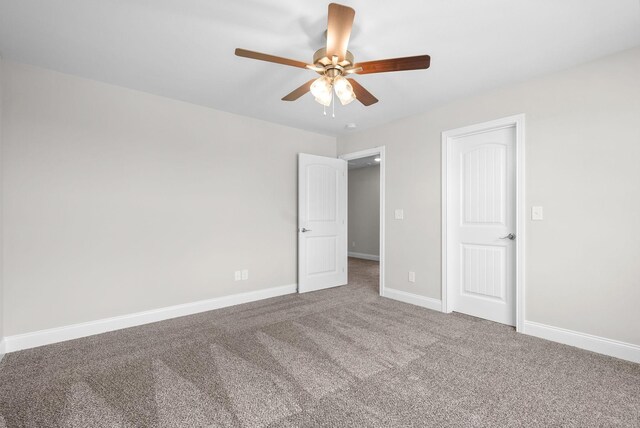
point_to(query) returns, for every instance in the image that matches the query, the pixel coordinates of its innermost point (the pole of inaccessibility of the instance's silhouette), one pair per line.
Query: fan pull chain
(333, 103)
(324, 109)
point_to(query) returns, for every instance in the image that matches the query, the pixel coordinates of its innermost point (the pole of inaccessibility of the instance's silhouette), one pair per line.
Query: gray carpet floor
(343, 357)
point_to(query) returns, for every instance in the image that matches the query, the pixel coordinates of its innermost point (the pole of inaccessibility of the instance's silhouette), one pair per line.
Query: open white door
(322, 222)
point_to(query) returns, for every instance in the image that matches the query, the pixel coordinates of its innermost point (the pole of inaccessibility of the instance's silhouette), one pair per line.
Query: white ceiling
(183, 49)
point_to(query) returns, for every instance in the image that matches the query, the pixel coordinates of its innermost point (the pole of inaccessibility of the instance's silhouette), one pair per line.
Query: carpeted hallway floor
(343, 357)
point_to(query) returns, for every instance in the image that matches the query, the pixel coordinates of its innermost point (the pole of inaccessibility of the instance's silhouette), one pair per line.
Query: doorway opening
(365, 218)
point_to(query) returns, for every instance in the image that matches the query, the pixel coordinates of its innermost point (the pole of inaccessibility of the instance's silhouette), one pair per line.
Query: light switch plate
(412, 276)
(237, 275)
(245, 274)
(399, 214)
(537, 213)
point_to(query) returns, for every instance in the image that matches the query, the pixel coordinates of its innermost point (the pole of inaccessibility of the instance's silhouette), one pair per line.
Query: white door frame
(363, 154)
(447, 137)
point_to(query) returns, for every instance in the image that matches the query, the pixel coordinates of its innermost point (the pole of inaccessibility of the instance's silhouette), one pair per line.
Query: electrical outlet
(353, 243)
(237, 275)
(245, 274)
(412, 276)
(399, 214)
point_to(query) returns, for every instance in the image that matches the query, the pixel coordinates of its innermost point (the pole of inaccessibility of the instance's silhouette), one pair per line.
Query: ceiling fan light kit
(334, 62)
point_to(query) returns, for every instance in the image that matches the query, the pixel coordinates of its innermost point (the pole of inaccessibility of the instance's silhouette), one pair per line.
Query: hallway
(364, 274)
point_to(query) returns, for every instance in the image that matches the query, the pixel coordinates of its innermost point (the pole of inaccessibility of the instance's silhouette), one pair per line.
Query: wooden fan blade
(270, 58)
(395, 64)
(362, 95)
(339, 27)
(297, 93)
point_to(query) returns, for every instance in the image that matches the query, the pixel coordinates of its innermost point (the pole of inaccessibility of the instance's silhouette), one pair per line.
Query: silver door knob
(304, 229)
(510, 236)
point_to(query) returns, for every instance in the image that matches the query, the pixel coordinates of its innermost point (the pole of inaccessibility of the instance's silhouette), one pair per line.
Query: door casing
(517, 121)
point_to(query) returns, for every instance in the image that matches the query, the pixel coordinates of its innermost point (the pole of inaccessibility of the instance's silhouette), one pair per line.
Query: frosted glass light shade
(344, 90)
(325, 100)
(321, 88)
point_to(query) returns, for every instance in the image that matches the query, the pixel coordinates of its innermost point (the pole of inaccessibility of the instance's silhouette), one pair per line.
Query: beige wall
(117, 201)
(582, 154)
(364, 210)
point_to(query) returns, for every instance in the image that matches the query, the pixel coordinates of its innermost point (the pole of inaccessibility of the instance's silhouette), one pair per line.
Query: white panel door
(322, 222)
(481, 219)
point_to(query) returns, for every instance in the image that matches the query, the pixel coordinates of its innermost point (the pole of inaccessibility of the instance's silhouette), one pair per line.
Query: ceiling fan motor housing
(320, 59)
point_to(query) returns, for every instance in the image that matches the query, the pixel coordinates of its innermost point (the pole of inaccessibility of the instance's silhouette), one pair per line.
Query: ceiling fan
(334, 62)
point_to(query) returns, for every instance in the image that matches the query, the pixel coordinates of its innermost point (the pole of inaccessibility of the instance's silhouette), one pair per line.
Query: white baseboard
(75, 331)
(364, 256)
(414, 299)
(2, 348)
(601, 345)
